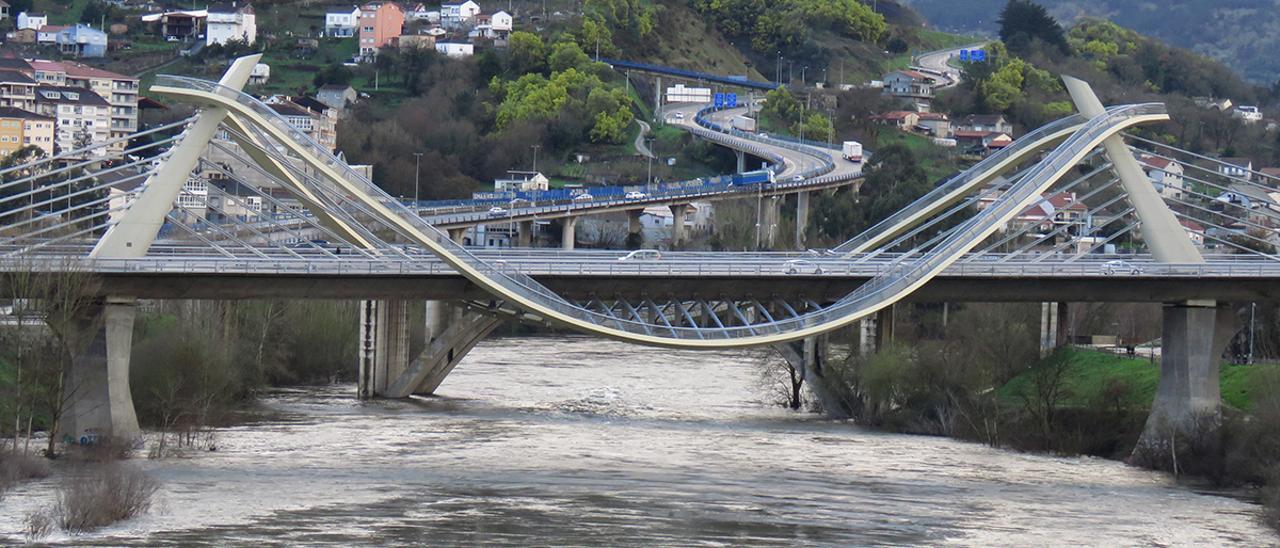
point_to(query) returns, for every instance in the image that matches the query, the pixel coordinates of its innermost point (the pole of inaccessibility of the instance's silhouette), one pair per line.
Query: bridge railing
(959, 182)
(826, 166)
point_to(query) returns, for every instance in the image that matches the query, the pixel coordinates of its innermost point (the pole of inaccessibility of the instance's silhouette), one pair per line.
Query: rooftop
(14, 77)
(61, 94)
(10, 112)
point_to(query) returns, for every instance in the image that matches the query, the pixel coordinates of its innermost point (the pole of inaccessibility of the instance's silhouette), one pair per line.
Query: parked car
(636, 195)
(1110, 268)
(801, 266)
(496, 211)
(642, 255)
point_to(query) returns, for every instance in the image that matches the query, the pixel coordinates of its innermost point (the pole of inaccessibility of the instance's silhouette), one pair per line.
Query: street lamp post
(417, 188)
(535, 156)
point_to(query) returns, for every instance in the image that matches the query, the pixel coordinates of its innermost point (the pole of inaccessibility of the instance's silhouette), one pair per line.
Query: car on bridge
(636, 195)
(642, 255)
(801, 266)
(1110, 268)
(497, 211)
(798, 179)
(583, 198)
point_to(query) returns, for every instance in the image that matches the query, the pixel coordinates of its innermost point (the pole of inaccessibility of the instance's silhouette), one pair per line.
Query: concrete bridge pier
(458, 235)
(568, 232)
(1054, 323)
(526, 234)
(802, 218)
(389, 369)
(742, 161)
(769, 224)
(1194, 336)
(384, 345)
(677, 223)
(809, 358)
(633, 221)
(99, 403)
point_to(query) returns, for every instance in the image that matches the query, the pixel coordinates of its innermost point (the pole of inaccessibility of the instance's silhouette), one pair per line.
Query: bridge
(796, 168)
(962, 241)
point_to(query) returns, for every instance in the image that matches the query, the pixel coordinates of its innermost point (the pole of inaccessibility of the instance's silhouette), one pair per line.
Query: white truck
(744, 123)
(852, 151)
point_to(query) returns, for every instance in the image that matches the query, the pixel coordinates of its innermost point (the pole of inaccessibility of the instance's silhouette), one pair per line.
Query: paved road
(938, 61)
(642, 148)
(793, 161)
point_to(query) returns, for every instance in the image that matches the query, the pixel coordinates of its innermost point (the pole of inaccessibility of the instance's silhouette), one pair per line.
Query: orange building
(380, 25)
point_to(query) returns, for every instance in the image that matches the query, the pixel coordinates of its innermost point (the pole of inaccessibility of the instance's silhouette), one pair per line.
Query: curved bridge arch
(526, 293)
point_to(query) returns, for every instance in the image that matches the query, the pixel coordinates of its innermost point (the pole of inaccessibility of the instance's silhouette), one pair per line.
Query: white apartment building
(228, 22)
(341, 22)
(83, 117)
(120, 91)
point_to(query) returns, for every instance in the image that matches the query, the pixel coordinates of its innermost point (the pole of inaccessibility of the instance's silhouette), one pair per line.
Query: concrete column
(677, 223)
(384, 348)
(1048, 328)
(458, 235)
(802, 218)
(99, 403)
(633, 221)
(867, 336)
(526, 234)
(1193, 338)
(772, 215)
(809, 359)
(884, 327)
(742, 161)
(436, 317)
(568, 232)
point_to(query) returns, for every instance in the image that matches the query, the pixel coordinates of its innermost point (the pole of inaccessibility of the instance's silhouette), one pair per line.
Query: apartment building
(82, 117)
(120, 91)
(380, 24)
(19, 128)
(17, 90)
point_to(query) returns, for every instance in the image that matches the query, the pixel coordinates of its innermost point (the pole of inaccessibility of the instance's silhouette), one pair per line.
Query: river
(578, 441)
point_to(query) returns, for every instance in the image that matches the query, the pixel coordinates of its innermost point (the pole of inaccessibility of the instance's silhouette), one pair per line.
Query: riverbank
(1073, 402)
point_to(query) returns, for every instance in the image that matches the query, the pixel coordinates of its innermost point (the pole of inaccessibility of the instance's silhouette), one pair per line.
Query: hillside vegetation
(1244, 34)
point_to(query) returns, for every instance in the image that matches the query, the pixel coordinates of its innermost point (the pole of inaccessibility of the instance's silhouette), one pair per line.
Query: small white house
(227, 22)
(260, 75)
(456, 49)
(48, 34)
(456, 15)
(341, 22)
(522, 181)
(502, 22)
(32, 20)
(1166, 175)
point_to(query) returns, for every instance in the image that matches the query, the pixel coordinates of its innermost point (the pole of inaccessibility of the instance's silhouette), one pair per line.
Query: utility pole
(535, 156)
(417, 189)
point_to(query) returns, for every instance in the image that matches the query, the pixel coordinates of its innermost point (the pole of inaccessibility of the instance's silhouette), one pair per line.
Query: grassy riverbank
(1090, 374)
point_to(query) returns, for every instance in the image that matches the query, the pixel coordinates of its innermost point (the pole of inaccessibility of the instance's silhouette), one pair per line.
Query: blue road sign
(964, 55)
(731, 99)
(719, 100)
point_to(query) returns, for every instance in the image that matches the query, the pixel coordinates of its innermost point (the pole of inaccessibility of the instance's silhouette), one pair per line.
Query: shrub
(17, 466)
(103, 495)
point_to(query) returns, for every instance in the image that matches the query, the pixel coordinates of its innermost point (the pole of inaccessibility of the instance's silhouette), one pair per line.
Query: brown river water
(580, 441)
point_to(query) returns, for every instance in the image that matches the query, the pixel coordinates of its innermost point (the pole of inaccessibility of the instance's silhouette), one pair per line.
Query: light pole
(417, 189)
(535, 156)
(648, 182)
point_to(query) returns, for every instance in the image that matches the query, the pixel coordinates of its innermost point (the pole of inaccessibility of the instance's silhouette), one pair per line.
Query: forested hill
(1244, 34)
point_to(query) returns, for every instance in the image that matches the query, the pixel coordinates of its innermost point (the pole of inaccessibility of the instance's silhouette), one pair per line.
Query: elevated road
(795, 161)
(586, 274)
